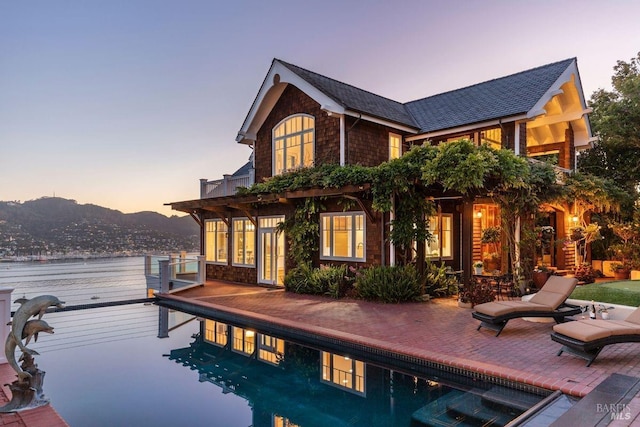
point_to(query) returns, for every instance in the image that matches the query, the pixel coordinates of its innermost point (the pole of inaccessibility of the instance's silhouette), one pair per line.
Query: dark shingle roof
(355, 99)
(502, 97)
(244, 169)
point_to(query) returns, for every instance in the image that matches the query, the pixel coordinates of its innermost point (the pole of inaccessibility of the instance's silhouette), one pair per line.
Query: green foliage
(585, 273)
(303, 230)
(323, 176)
(389, 284)
(438, 283)
(616, 121)
(461, 166)
(330, 280)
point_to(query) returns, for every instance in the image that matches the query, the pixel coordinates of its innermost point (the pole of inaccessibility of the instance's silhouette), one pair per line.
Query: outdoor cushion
(634, 317)
(555, 291)
(589, 330)
(498, 308)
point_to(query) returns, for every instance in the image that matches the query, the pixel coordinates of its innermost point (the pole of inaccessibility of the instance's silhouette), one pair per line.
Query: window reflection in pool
(106, 367)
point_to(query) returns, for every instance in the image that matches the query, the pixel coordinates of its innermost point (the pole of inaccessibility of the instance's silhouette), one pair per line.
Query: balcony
(227, 186)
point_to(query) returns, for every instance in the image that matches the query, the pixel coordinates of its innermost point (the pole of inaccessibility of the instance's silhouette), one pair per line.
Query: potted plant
(478, 265)
(604, 311)
(540, 275)
(474, 294)
(585, 273)
(621, 271)
(491, 237)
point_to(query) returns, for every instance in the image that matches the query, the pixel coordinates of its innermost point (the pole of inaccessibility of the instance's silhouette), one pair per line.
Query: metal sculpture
(27, 389)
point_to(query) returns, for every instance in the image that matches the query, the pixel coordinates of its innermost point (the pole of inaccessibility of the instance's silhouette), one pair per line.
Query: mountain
(57, 226)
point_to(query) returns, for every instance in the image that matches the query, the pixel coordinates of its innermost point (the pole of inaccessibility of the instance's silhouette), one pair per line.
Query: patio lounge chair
(587, 338)
(547, 302)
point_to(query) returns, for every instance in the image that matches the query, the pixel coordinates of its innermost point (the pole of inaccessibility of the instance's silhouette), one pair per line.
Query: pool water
(107, 367)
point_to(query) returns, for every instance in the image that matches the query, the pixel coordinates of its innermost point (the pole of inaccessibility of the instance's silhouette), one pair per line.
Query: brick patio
(437, 331)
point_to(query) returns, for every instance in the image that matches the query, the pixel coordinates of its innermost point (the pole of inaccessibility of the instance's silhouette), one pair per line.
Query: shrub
(389, 284)
(585, 273)
(477, 293)
(438, 283)
(326, 280)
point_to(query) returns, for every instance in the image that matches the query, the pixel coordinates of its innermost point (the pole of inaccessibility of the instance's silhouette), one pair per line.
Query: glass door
(271, 256)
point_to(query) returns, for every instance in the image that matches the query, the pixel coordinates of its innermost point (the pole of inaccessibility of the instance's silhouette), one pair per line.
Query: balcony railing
(226, 186)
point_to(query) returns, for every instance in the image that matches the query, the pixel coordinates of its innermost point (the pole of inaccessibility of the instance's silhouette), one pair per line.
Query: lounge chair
(586, 338)
(547, 302)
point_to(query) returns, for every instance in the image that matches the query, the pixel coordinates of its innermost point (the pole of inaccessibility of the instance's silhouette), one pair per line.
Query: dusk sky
(128, 103)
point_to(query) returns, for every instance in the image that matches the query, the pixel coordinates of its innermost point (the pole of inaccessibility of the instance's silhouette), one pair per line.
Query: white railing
(226, 186)
(173, 272)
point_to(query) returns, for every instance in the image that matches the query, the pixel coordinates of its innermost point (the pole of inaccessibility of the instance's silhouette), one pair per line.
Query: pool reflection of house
(300, 118)
(288, 384)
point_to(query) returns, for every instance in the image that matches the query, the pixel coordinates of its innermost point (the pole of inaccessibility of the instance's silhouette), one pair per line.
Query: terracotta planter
(621, 274)
(540, 278)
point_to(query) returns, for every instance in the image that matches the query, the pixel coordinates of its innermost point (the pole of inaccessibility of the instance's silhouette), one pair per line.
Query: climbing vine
(516, 184)
(303, 230)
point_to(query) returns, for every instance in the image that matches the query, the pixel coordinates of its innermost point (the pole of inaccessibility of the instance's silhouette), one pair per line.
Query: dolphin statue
(31, 329)
(31, 307)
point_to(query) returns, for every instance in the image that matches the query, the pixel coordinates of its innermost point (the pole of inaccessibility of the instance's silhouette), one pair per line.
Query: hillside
(57, 226)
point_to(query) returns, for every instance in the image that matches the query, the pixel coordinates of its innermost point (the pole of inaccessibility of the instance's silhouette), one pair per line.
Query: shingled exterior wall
(367, 143)
(327, 131)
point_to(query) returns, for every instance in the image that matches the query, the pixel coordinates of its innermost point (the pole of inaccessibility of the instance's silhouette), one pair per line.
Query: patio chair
(586, 338)
(547, 302)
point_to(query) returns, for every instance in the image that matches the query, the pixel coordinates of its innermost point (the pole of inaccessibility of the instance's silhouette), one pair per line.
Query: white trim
(206, 232)
(392, 247)
(516, 138)
(342, 141)
(233, 242)
(260, 255)
(466, 128)
(353, 215)
(568, 75)
(380, 121)
(284, 145)
(391, 134)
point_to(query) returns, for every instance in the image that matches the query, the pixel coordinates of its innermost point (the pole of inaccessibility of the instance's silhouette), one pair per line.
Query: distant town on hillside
(54, 227)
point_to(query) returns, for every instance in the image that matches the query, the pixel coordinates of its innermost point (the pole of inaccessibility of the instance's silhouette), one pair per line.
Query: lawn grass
(625, 292)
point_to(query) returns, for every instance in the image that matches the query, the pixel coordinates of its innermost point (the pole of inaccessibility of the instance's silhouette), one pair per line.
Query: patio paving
(437, 331)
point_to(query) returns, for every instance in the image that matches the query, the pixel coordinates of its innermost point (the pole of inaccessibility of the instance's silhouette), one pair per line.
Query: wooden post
(164, 275)
(466, 250)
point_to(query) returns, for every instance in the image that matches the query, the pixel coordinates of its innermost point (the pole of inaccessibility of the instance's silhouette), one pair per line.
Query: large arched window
(293, 140)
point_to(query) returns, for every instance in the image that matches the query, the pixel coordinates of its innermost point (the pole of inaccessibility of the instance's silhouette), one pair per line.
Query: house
(300, 118)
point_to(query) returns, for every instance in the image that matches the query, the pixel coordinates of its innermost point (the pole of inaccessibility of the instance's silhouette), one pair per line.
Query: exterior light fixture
(574, 218)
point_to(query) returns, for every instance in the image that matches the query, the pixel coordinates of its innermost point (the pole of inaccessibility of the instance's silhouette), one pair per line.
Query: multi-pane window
(244, 340)
(342, 236)
(343, 371)
(493, 137)
(244, 242)
(293, 141)
(441, 244)
(270, 349)
(395, 146)
(216, 332)
(216, 233)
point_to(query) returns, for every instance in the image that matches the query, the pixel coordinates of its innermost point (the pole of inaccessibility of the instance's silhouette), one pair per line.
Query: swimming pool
(106, 367)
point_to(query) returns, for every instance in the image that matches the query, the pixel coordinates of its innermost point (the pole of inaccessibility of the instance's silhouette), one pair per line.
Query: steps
(494, 407)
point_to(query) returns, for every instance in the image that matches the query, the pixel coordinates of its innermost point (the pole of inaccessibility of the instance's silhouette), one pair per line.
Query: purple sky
(127, 103)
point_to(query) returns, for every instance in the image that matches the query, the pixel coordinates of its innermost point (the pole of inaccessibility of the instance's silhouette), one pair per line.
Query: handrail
(227, 186)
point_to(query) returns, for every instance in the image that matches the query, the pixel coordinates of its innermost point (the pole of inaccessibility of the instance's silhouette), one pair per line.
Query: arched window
(293, 140)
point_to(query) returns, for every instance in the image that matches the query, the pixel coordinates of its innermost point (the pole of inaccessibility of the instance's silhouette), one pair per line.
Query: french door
(271, 251)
